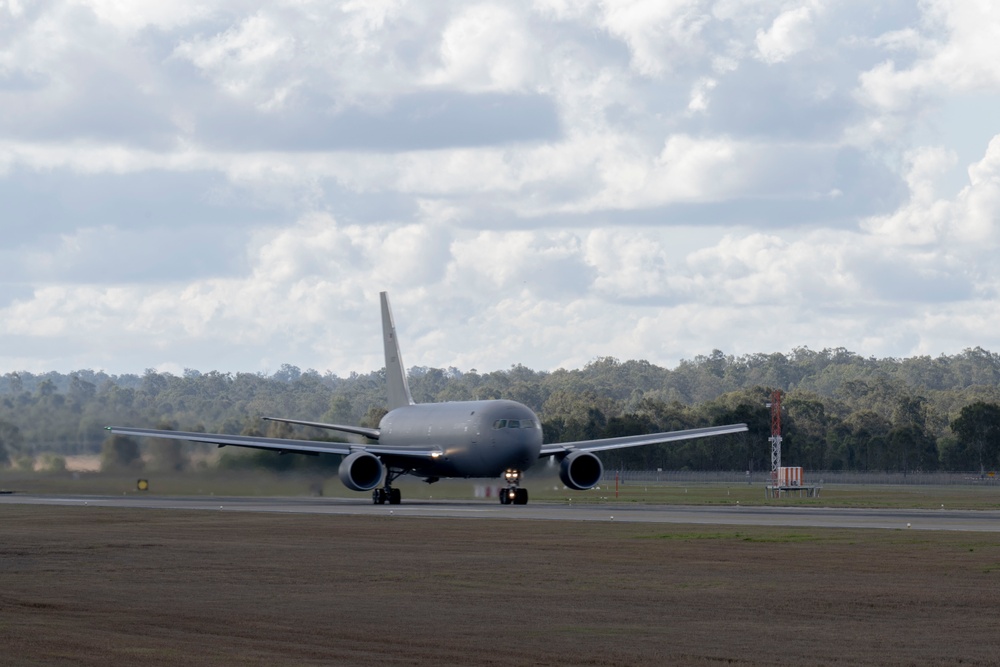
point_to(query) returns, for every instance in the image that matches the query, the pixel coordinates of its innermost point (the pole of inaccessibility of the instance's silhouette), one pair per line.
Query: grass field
(100, 586)
(257, 483)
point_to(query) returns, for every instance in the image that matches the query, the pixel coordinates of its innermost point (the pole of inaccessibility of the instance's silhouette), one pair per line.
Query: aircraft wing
(638, 440)
(282, 445)
(372, 433)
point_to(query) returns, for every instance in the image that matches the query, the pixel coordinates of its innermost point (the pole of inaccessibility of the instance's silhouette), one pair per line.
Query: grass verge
(102, 586)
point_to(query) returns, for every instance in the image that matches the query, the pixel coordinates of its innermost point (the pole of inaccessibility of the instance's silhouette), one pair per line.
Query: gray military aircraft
(493, 438)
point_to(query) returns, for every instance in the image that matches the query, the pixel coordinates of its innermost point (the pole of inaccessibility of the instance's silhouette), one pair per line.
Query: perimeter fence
(810, 477)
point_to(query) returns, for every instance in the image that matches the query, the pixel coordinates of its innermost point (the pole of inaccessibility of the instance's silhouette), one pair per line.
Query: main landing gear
(387, 494)
(513, 494)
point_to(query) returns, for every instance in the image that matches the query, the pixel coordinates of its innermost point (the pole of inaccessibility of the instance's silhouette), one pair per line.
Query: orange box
(790, 476)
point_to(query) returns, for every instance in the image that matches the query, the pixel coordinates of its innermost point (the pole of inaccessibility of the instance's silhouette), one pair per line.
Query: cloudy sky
(229, 185)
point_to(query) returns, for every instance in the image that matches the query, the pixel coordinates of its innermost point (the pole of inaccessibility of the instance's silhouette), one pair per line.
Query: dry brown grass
(93, 586)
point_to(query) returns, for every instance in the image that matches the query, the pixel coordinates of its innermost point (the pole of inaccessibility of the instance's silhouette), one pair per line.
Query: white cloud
(518, 262)
(134, 15)
(658, 34)
(970, 218)
(13, 7)
(368, 19)
(545, 299)
(979, 221)
(636, 264)
(958, 50)
(699, 94)
(686, 169)
(485, 47)
(791, 33)
(924, 218)
(89, 157)
(241, 58)
(680, 200)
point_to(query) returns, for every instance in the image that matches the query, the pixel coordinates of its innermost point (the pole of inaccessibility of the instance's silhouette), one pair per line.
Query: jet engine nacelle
(580, 470)
(361, 471)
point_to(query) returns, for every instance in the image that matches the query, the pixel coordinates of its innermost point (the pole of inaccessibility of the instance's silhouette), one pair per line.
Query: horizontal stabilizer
(372, 433)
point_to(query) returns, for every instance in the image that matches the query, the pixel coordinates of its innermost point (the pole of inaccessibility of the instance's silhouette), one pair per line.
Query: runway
(733, 515)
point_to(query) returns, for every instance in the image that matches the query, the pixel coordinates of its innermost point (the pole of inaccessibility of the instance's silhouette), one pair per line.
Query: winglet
(395, 374)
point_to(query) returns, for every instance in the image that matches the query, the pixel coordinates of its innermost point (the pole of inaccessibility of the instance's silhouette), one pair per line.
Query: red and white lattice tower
(775, 438)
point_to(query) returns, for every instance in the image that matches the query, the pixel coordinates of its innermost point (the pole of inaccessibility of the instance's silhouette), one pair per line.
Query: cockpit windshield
(515, 423)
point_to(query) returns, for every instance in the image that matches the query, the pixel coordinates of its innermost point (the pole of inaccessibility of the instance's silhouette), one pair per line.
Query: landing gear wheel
(387, 494)
(514, 496)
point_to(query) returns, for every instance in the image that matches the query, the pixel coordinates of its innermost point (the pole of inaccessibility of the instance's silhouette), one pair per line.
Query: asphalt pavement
(734, 515)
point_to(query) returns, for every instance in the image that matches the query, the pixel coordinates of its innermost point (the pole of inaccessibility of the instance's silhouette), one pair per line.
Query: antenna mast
(775, 438)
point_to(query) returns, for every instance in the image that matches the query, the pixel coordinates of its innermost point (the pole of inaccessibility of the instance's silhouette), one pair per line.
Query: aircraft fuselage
(477, 438)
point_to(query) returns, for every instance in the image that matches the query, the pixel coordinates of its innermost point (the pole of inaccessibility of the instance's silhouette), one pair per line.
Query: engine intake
(361, 471)
(580, 471)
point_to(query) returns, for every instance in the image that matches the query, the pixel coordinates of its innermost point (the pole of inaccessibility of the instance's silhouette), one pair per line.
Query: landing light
(435, 455)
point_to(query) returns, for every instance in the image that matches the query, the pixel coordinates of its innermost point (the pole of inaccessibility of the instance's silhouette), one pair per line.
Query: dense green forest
(841, 411)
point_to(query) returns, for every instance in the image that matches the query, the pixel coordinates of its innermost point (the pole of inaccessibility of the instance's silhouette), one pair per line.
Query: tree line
(842, 411)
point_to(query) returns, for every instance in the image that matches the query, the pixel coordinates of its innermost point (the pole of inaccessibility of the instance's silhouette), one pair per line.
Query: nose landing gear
(513, 494)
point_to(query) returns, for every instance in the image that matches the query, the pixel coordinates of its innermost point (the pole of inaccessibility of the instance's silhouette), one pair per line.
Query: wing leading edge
(282, 444)
(638, 440)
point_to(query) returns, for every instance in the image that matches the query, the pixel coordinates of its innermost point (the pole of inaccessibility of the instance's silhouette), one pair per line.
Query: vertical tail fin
(395, 374)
